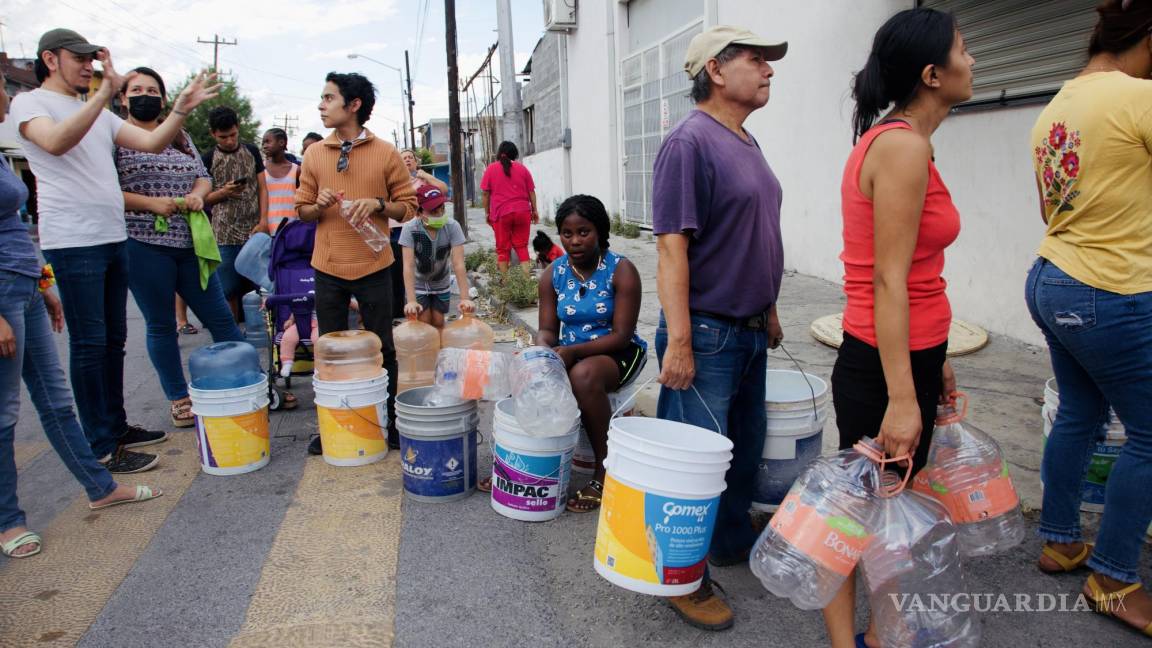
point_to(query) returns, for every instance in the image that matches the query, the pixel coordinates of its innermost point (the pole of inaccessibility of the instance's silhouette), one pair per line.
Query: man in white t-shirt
(70, 145)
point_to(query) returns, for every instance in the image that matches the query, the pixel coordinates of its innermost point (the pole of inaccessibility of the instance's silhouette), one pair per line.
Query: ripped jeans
(1100, 343)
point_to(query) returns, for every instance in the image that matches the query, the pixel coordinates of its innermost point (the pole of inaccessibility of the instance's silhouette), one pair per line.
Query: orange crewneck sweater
(375, 170)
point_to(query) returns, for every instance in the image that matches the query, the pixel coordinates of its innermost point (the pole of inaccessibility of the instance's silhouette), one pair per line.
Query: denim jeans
(93, 285)
(231, 281)
(731, 365)
(23, 308)
(1101, 348)
(158, 274)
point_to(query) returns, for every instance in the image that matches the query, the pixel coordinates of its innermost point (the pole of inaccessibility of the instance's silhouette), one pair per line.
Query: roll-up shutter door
(1024, 49)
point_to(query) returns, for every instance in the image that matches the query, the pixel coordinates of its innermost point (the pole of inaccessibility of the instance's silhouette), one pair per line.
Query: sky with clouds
(286, 47)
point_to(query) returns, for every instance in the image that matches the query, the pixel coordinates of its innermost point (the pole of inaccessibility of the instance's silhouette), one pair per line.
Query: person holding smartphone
(238, 200)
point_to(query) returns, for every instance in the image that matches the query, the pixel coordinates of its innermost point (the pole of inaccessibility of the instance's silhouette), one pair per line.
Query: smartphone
(241, 180)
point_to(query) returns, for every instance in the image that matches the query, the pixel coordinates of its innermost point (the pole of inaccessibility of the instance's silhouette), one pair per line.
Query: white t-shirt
(79, 196)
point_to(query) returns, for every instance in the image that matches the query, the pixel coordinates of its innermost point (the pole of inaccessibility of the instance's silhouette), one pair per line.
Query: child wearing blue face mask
(430, 242)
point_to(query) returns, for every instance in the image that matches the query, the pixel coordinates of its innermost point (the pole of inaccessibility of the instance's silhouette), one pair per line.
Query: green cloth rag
(207, 253)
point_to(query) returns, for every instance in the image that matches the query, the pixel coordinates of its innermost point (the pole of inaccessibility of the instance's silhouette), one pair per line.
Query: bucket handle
(804, 375)
(635, 392)
(383, 428)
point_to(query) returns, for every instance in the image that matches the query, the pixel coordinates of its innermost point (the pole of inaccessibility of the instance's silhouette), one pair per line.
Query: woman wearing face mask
(170, 241)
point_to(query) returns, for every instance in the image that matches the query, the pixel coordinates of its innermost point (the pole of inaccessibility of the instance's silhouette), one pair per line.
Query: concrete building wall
(805, 132)
(542, 94)
(548, 173)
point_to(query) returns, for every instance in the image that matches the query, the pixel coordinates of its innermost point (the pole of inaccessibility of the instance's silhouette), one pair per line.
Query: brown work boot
(703, 608)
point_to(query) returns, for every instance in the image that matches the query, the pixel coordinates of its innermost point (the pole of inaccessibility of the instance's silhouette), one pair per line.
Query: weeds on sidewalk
(479, 259)
(624, 228)
(516, 287)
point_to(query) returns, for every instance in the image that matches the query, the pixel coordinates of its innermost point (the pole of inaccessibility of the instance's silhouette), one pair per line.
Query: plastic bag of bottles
(967, 473)
(472, 375)
(912, 568)
(542, 393)
(822, 527)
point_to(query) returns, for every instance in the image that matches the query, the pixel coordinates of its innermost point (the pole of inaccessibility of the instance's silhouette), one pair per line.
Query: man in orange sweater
(352, 164)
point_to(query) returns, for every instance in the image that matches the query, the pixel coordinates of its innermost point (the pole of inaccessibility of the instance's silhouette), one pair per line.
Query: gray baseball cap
(708, 44)
(61, 38)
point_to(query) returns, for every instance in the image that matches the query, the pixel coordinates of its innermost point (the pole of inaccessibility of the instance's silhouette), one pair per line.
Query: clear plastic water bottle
(372, 235)
(822, 527)
(967, 473)
(471, 374)
(545, 405)
(913, 573)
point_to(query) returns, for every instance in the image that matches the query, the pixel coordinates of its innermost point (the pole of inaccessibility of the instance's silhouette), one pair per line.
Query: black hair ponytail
(506, 154)
(903, 46)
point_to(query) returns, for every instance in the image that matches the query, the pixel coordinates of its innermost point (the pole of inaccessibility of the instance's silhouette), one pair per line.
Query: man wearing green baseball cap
(716, 216)
(70, 142)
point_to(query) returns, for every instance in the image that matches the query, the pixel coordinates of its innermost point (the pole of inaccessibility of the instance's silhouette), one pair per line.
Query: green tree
(197, 122)
(424, 156)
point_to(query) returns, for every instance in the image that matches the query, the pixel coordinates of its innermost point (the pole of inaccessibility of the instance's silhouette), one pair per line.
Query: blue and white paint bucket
(530, 474)
(796, 405)
(437, 446)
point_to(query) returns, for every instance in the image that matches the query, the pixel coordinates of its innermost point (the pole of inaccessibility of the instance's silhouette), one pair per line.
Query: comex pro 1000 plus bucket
(232, 428)
(353, 419)
(660, 498)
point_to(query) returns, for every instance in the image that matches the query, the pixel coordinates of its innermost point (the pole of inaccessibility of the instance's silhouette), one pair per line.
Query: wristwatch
(383, 205)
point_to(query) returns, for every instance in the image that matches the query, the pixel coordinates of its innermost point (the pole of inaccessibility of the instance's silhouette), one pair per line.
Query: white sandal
(143, 494)
(24, 539)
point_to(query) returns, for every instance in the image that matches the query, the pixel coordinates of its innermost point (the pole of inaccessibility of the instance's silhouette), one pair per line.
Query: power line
(216, 42)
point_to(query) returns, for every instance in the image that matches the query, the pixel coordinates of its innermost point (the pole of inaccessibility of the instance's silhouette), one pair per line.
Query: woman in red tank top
(898, 217)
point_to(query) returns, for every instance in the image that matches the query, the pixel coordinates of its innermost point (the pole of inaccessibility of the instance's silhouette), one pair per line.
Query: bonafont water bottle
(913, 572)
(542, 393)
(967, 473)
(822, 527)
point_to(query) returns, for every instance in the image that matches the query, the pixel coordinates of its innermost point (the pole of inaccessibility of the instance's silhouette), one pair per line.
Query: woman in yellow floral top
(1090, 292)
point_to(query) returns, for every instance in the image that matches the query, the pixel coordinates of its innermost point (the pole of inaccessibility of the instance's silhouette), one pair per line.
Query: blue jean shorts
(436, 301)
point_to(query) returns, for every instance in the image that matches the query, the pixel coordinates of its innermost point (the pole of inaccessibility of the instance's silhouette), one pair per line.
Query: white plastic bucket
(530, 474)
(660, 498)
(437, 446)
(584, 458)
(1103, 456)
(353, 420)
(796, 407)
(232, 428)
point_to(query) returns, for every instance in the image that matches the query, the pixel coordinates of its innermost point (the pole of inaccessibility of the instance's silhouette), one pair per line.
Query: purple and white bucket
(530, 474)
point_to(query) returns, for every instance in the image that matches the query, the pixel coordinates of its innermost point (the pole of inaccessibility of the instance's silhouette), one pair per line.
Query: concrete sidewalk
(1005, 380)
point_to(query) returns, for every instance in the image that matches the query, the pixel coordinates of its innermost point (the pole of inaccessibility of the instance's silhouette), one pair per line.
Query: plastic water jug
(542, 392)
(912, 568)
(967, 473)
(417, 345)
(467, 333)
(348, 355)
(471, 374)
(822, 527)
(255, 326)
(225, 365)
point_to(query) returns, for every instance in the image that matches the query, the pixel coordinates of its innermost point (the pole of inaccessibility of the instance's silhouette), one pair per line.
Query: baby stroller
(293, 295)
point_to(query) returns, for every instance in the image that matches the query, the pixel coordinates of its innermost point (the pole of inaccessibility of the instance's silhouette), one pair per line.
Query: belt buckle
(756, 323)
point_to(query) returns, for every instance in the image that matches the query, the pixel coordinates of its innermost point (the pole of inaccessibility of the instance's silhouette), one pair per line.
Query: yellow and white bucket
(232, 428)
(661, 496)
(353, 419)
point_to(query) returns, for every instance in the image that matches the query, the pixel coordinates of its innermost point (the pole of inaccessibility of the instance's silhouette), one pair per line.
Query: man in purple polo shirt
(716, 214)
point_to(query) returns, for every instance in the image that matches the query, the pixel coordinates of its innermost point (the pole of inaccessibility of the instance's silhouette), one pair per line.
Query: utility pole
(411, 102)
(510, 89)
(216, 42)
(287, 122)
(455, 144)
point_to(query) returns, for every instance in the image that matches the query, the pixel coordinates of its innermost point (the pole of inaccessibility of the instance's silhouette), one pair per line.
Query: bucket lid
(672, 435)
(210, 394)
